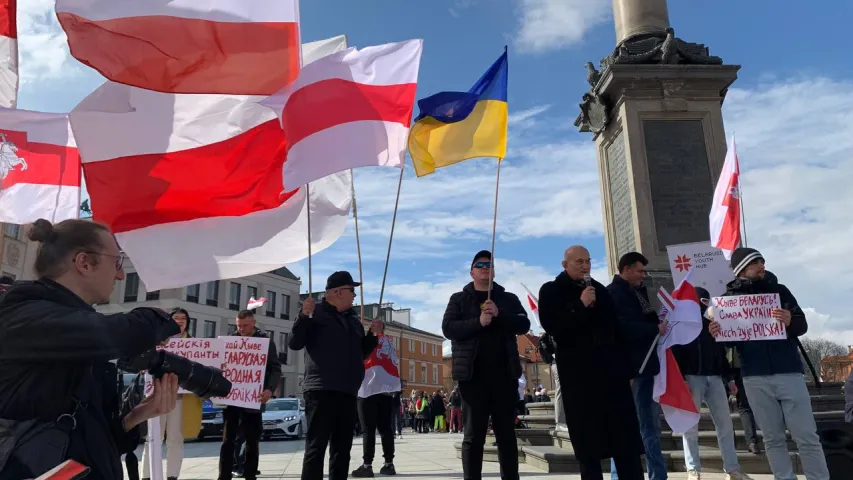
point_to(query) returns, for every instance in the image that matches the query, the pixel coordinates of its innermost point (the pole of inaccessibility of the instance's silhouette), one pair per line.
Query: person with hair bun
(58, 389)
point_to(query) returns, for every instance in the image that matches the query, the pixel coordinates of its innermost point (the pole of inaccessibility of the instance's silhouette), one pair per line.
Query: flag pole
(358, 246)
(391, 238)
(494, 229)
(740, 195)
(308, 209)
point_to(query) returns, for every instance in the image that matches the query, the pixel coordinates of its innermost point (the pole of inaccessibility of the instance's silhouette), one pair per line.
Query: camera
(198, 379)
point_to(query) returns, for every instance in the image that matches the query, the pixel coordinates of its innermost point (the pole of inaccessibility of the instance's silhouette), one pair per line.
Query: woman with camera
(184, 421)
(58, 388)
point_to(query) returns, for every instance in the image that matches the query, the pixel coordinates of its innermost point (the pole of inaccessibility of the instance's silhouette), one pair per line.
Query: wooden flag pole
(391, 238)
(494, 229)
(358, 246)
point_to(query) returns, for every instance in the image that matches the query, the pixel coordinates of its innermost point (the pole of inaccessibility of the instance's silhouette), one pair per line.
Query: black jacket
(49, 339)
(769, 357)
(637, 329)
(336, 347)
(704, 355)
(848, 399)
(461, 325)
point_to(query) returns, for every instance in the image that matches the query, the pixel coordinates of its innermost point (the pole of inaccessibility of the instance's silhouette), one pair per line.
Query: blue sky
(792, 109)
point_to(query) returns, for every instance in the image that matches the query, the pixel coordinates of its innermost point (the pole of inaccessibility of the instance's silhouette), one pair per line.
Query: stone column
(655, 110)
(637, 17)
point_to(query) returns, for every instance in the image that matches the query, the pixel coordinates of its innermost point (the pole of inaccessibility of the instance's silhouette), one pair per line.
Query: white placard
(746, 318)
(245, 361)
(712, 271)
(206, 351)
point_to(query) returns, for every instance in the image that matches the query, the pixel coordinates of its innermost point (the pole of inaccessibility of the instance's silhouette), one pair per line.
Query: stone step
(537, 407)
(527, 437)
(561, 460)
(538, 421)
(706, 424)
(490, 452)
(826, 388)
(673, 441)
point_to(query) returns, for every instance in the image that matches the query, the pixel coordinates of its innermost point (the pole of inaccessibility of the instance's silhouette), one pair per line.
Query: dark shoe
(171, 478)
(754, 448)
(388, 469)
(364, 471)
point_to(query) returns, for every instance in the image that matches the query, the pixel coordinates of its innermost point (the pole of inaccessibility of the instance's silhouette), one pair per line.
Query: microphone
(587, 280)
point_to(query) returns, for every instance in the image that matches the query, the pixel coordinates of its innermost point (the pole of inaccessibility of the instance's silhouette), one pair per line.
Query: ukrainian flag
(457, 126)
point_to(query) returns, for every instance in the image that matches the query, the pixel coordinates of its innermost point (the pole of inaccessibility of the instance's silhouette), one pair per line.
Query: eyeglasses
(347, 289)
(483, 265)
(119, 258)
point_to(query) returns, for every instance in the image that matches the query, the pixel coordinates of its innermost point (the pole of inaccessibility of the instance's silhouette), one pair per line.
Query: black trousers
(331, 421)
(249, 423)
(628, 468)
(481, 399)
(377, 413)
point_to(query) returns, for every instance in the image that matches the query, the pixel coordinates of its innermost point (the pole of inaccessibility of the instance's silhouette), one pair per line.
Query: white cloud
(554, 24)
(42, 45)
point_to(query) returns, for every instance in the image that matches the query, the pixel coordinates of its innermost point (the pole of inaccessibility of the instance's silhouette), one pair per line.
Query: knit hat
(742, 257)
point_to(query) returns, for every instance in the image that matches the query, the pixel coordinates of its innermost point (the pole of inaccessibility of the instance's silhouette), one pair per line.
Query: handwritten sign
(245, 362)
(206, 351)
(746, 318)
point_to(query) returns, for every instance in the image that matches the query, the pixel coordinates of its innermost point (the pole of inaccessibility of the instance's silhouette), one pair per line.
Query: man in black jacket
(639, 325)
(773, 374)
(483, 332)
(707, 372)
(246, 419)
(336, 345)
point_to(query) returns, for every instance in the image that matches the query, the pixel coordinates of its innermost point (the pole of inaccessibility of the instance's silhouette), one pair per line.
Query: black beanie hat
(742, 257)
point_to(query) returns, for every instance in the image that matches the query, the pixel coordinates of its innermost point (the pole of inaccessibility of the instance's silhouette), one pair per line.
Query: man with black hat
(773, 374)
(336, 345)
(482, 327)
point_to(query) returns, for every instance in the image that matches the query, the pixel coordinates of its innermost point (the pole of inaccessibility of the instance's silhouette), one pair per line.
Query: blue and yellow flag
(457, 126)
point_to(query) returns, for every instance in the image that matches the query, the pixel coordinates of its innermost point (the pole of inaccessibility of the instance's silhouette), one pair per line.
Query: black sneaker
(364, 471)
(388, 469)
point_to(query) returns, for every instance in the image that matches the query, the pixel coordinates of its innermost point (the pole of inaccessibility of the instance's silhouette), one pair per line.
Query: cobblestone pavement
(418, 456)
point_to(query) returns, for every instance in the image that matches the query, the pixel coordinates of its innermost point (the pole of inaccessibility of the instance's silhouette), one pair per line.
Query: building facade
(837, 368)
(212, 306)
(534, 367)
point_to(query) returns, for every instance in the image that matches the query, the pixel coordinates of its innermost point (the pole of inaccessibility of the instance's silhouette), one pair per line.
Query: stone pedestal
(659, 158)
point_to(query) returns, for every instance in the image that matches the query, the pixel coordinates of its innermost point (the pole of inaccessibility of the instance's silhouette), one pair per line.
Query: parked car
(285, 417)
(212, 423)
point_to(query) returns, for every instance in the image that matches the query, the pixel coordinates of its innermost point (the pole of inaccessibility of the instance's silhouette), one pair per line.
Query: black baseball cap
(481, 254)
(341, 279)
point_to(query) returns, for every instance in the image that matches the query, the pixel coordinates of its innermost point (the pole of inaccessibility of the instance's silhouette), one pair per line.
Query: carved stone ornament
(13, 255)
(595, 113)
(660, 48)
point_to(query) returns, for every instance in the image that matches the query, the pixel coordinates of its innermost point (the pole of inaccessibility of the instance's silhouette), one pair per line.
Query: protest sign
(245, 362)
(745, 318)
(711, 269)
(206, 351)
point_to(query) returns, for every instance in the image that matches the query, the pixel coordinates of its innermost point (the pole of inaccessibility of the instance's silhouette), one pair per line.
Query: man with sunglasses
(335, 345)
(482, 327)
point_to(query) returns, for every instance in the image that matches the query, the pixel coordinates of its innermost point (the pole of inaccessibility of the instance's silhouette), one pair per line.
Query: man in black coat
(482, 332)
(594, 374)
(336, 345)
(248, 421)
(639, 325)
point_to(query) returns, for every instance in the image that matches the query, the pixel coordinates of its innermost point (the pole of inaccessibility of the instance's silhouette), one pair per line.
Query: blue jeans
(780, 401)
(648, 413)
(712, 390)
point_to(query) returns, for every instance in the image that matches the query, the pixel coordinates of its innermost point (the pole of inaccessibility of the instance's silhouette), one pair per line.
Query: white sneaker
(694, 475)
(737, 475)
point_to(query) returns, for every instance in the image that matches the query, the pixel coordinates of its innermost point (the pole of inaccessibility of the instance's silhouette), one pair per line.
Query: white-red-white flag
(256, 303)
(8, 53)
(240, 47)
(682, 312)
(39, 167)
(349, 109)
(726, 209)
(192, 184)
(533, 302)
